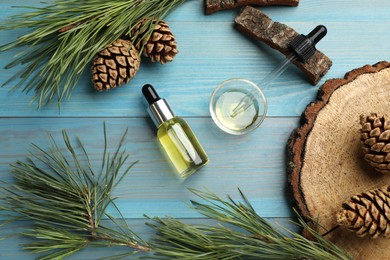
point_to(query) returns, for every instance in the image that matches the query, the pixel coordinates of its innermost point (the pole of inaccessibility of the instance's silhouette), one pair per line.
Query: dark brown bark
(259, 26)
(212, 6)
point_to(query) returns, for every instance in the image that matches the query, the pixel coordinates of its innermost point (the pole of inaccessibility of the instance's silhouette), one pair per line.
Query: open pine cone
(367, 213)
(375, 137)
(114, 65)
(160, 46)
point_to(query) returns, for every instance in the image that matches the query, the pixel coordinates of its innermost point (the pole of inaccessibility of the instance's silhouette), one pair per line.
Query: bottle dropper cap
(150, 94)
(159, 109)
(303, 46)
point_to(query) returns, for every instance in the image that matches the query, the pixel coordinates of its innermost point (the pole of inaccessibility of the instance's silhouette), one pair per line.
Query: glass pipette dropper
(302, 47)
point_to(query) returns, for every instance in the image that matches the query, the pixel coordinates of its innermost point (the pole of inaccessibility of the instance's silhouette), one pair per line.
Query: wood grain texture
(212, 6)
(308, 11)
(210, 54)
(211, 50)
(326, 164)
(152, 188)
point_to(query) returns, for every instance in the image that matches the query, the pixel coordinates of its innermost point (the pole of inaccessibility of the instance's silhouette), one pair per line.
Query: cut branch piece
(325, 161)
(259, 26)
(212, 6)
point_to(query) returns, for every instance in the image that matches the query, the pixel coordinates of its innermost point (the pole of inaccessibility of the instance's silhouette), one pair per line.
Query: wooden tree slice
(325, 164)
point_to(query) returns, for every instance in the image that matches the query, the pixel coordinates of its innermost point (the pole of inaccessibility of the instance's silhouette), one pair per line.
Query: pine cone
(114, 65)
(375, 137)
(160, 46)
(367, 213)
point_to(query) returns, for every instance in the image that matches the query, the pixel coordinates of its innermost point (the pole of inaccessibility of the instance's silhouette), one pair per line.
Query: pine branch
(64, 37)
(65, 199)
(240, 234)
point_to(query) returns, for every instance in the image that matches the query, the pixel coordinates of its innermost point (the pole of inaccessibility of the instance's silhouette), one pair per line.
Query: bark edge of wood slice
(325, 166)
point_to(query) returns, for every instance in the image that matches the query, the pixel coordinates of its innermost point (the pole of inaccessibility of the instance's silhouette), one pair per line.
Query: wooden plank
(308, 10)
(209, 55)
(212, 6)
(211, 50)
(253, 162)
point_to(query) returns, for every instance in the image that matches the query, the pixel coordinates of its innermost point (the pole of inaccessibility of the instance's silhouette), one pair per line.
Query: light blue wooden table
(211, 50)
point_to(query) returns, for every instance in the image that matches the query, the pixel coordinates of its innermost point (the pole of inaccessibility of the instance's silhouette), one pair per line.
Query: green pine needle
(240, 234)
(65, 199)
(65, 35)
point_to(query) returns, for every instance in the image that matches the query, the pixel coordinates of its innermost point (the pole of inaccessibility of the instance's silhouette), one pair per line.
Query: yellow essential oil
(238, 106)
(175, 135)
(225, 105)
(181, 146)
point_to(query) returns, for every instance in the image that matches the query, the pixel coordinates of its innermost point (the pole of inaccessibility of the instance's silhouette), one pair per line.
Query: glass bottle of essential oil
(175, 135)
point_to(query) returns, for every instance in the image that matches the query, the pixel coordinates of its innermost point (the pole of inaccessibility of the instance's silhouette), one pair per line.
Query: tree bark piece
(212, 6)
(325, 162)
(259, 26)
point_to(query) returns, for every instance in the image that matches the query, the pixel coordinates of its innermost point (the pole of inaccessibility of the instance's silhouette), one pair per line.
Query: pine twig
(74, 25)
(64, 199)
(331, 230)
(240, 234)
(65, 35)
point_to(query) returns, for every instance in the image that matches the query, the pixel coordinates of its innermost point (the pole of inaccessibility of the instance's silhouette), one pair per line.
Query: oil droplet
(224, 109)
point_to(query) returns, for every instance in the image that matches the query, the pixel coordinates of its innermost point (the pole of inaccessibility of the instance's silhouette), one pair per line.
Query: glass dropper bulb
(302, 47)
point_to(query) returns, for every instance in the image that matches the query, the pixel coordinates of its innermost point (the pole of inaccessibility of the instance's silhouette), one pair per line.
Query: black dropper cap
(158, 109)
(304, 45)
(150, 94)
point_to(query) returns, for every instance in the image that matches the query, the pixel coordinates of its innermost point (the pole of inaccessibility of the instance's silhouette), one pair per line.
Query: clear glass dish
(225, 99)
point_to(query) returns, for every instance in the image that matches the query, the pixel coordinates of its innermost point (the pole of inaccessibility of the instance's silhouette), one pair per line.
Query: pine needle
(65, 35)
(240, 234)
(58, 192)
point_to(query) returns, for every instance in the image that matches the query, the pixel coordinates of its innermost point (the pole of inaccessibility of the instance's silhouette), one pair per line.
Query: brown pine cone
(160, 46)
(367, 213)
(375, 137)
(114, 65)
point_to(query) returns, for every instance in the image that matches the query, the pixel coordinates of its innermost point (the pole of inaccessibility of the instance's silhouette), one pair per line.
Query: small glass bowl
(227, 96)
